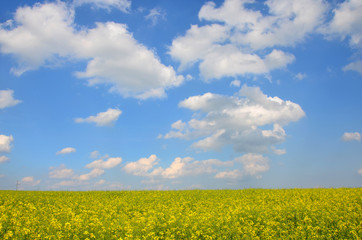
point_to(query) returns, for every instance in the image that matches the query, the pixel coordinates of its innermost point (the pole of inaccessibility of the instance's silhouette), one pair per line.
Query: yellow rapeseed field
(194, 214)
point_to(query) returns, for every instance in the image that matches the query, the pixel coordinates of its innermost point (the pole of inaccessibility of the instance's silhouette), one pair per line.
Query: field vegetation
(193, 214)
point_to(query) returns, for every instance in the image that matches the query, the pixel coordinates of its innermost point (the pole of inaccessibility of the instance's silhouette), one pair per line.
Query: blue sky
(132, 94)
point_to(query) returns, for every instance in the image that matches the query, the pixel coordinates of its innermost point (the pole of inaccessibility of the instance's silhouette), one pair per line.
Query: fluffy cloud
(66, 150)
(180, 167)
(346, 23)
(360, 171)
(106, 118)
(4, 159)
(228, 60)
(109, 163)
(123, 5)
(197, 43)
(233, 47)
(114, 57)
(287, 23)
(189, 167)
(61, 172)
(92, 174)
(30, 181)
(7, 99)
(142, 166)
(351, 136)
(98, 167)
(251, 165)
(237, 120)
(5, 143)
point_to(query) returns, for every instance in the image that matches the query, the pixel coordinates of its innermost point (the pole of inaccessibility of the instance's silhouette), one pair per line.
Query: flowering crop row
(194, 214)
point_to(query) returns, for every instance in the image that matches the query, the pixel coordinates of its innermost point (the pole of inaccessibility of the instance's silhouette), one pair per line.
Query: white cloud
(101, 164)
(101, 182)
(106, 118)
(346, 23)
(300, 76)
(66, 151)
(30, 181)
(123, 5)
(155, 15)
(228, 60)
(287, 23)
(130, 68)
(354, 66)
(235, 83)
(7, 99)
(96, 172)
(114, 57)
(232, 174)
(47, 31)
(142, 166)
(61, 172)
(180, 167)
(4, 159)
(360, 171)
(351, 136)
(94, 154)
(237, 120)
(233, 48)
(5, 143)
(197, 42)
(252, 165)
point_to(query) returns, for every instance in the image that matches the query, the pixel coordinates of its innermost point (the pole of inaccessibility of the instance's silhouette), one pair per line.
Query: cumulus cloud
(346, 24)
(250, 165)
(180, 167)
(287, 23)
(4, 159)
(107, 118)
(5, 143)
(360, 171)
(351, 136)
(30, 181)
(61, 172)
(114, 57)
(7, 99)
(231, 47)
(237, 120)
(98, 167)
(142, 166)
(66, 151)
(96, 172)
(101, 164)
(123, 5)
